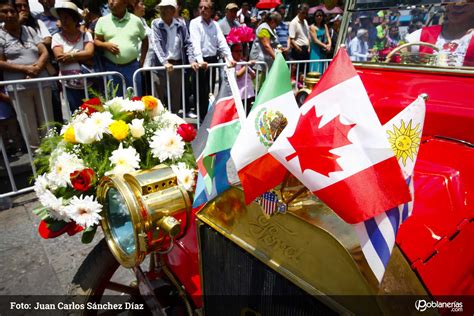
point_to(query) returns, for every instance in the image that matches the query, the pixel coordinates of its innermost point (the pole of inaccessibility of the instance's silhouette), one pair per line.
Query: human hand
(231, 63)
(22, 16)
(65, 58)
(169, 67)
(203, 65)
(111, 47)
(31, 71)
(298, 49)
(195, 66)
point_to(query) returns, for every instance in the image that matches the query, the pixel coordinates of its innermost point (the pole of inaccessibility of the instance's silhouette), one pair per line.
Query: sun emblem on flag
(268, 125)
(405, 141)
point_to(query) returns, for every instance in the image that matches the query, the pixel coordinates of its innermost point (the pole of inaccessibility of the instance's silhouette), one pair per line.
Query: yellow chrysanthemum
(119, 130)
(69, 135)
(149, 102)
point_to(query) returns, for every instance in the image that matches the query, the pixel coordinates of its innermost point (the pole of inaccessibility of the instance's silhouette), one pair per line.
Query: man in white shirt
(358, 47)
(208, 43)
(299, 35)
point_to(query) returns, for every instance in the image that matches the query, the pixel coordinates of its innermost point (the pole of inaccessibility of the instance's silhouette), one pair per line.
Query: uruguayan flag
(377, 235)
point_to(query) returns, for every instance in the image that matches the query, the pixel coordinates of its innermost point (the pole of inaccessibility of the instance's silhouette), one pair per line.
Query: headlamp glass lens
(120, 222)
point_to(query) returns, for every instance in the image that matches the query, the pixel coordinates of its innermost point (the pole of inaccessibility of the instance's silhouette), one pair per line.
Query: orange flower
(149, 102)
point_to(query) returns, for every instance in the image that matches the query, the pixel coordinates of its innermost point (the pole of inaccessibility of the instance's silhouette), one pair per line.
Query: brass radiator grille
(236, 283)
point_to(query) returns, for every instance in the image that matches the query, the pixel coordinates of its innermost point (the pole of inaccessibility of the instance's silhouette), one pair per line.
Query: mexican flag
(274, 107)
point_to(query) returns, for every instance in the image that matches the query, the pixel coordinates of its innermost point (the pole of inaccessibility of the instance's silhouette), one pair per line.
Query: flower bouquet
(104, 139)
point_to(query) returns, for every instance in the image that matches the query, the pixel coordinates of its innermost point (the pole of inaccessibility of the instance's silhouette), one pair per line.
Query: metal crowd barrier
(12, 88)
(213, 89)
(306, 66)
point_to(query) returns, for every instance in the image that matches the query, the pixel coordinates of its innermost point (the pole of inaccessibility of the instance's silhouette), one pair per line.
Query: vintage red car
(229, 259)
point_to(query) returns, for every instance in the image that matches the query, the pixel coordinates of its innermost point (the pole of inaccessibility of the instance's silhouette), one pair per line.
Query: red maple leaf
(312, 144)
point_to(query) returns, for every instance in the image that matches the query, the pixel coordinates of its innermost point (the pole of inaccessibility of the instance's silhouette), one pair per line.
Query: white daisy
(124, 160)
(56, 208)
(185, 175)
(136, 128)
(41, 184)
(61, 167)
(130, 106)
(84, 210)
(100, 122)
(166, 144)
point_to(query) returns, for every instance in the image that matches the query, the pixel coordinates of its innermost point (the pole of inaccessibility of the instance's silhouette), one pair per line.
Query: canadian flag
(338, 149)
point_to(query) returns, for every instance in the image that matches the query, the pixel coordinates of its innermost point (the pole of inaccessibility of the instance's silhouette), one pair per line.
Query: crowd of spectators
(75, 37)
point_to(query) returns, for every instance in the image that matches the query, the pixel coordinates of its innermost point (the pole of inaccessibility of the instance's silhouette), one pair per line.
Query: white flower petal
(84, 210)
(166, 144)
(136, 128)
(124, 160)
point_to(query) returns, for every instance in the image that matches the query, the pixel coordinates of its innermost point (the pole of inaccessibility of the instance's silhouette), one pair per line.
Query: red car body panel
(450, 107)
(183, 260)
(437, 238)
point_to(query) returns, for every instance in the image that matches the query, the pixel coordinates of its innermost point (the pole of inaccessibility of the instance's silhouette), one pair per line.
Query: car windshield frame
(433, 13)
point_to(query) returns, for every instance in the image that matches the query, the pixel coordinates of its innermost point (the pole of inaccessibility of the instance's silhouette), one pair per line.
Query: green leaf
(54, 224)
(41, 212)
(88, 234)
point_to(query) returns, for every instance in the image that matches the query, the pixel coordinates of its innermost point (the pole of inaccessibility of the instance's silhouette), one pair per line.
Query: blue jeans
(127, 71)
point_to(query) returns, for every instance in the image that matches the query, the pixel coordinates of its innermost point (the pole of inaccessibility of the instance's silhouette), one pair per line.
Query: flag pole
(230, 72)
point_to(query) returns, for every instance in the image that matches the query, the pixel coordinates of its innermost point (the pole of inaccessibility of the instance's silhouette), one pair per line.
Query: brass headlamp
(312, 78)
(139, 212)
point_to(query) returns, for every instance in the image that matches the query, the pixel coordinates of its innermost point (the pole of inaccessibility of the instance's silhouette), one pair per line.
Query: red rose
(82, 180)
(187, 132)
(52, 231)
(92, 105)
(136, 99)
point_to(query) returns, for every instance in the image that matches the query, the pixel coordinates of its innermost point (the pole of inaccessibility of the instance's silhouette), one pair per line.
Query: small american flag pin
(270, 203)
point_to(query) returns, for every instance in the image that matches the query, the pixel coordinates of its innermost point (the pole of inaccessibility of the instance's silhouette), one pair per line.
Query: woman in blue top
(320, 41)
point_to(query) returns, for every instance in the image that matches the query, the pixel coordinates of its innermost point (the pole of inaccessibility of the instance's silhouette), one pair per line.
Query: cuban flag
(377, 235)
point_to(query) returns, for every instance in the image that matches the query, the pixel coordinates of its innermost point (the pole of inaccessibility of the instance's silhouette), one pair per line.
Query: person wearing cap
(73, 49)
(208, 43)
(230, 19)
(119, 34)
(171, 46)
(359, 47)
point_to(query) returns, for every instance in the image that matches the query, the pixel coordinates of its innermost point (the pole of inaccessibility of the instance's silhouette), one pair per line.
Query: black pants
(303, 55)
(206, 77)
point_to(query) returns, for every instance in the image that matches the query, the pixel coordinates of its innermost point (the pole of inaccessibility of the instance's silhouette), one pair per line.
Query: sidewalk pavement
(29, 264)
